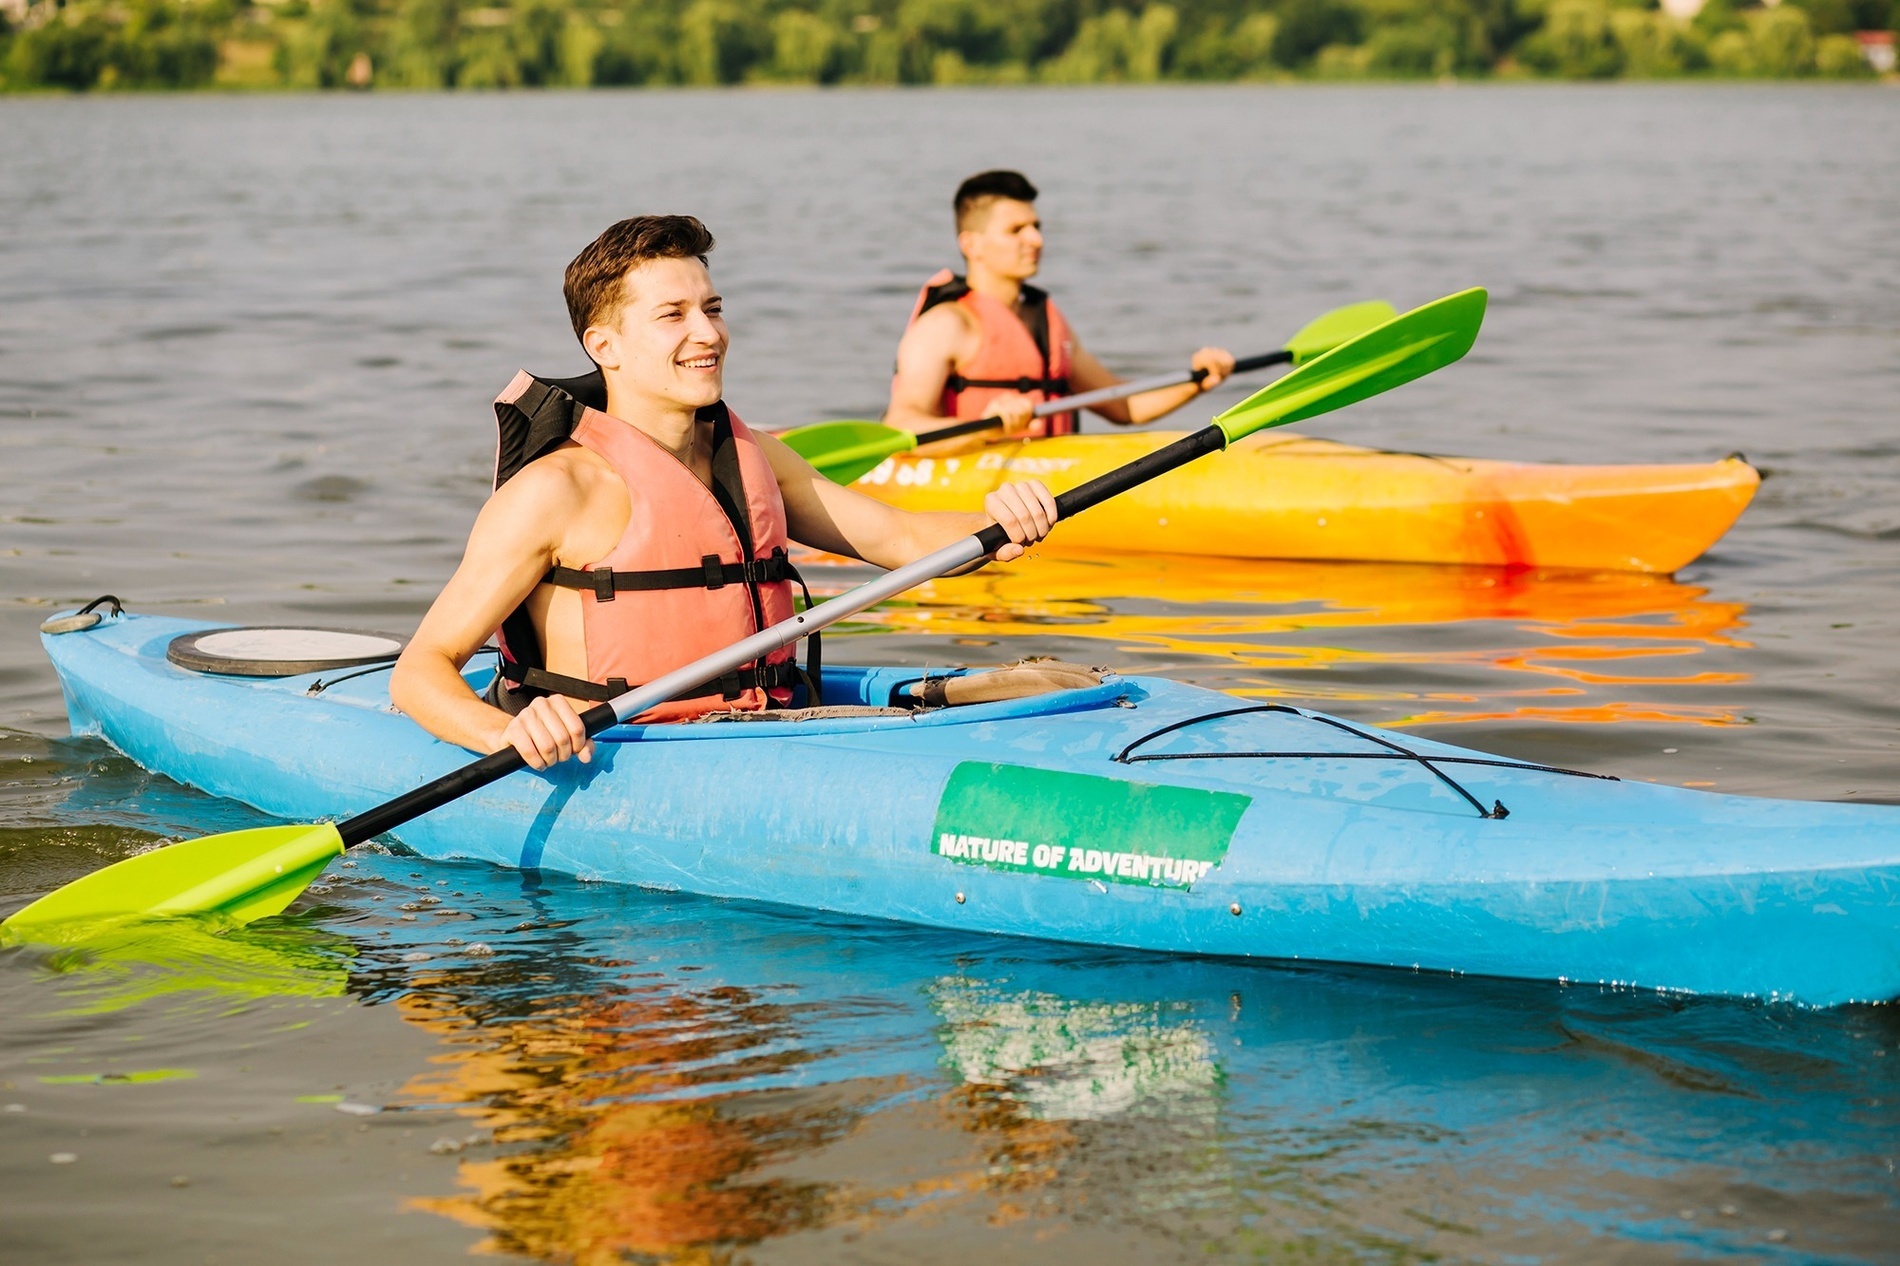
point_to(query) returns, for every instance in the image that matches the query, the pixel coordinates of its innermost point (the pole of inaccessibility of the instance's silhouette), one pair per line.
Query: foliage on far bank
(428, 44)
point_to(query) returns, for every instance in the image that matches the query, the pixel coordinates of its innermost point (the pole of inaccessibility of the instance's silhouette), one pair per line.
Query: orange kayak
(1277, 495)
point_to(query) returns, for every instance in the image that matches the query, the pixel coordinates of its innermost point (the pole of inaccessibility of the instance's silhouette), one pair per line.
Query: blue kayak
(1137, 813)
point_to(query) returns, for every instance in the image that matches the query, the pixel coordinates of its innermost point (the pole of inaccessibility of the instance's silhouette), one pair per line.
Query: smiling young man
(655, 532)
(988, 344)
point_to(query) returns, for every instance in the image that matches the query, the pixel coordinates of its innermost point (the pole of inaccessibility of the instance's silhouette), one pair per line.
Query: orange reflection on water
(614, 1176)
(1619, 638)
(603, 1169)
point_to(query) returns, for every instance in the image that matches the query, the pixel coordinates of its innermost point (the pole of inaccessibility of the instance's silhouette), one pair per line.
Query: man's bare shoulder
(568, 471)
(945, 319)
(940, 332)
(554, 489)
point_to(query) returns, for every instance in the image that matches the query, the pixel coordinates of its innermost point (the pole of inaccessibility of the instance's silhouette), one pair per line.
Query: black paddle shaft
(1263, 361)
(451, 786)
(1208, 439)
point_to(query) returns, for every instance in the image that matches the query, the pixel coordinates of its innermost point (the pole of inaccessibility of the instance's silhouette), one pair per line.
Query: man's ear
(965, 240)
(602, 343)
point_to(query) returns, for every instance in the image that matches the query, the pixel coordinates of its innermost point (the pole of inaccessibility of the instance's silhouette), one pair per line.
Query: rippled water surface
(246, 349)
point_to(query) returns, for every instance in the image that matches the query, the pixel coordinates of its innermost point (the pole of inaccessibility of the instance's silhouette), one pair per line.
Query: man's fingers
(1215, 364)
(1047, 500)
(577, 741)
(530, 738)
(1026, 511)
(549, 731)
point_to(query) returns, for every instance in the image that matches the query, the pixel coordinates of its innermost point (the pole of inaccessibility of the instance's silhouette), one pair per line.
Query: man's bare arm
(844, 521)
(510, 549)
(1089, 374)
(926, 358)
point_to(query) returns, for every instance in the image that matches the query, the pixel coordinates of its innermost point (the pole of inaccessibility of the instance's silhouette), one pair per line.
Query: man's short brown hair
(596, 280)
(975, 194)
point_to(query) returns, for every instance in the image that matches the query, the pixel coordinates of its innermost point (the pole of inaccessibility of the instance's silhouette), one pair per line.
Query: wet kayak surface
(308, 304)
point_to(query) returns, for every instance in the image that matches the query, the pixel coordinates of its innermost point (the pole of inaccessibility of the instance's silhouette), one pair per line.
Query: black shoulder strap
(728, 485)
(1035, 314)
(943, 292)
(542, 419)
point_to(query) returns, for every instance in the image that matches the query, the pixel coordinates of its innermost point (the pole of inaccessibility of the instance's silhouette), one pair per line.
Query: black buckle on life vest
(716, 573)
(603, 584)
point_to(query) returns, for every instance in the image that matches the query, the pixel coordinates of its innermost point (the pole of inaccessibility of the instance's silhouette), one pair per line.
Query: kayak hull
(1337, 859)
(1276, 495)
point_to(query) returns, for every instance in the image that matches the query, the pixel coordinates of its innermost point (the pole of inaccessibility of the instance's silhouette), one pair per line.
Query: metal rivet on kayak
(959, 898)
(1234, 909)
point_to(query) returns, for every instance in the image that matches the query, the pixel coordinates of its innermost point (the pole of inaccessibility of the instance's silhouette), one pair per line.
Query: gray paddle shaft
(785, 632)
(1120, 391)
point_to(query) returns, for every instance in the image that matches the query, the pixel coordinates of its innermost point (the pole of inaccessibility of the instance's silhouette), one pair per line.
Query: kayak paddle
(245, 875)
(844, 452)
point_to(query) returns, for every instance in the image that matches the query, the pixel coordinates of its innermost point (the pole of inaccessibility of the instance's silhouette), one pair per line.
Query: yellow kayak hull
(1277, 495)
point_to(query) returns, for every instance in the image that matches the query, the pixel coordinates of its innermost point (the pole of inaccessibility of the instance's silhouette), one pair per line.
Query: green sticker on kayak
(1078, 826)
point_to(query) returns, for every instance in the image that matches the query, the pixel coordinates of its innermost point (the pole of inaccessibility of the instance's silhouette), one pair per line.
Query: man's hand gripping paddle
(844, 452)
(245, 875)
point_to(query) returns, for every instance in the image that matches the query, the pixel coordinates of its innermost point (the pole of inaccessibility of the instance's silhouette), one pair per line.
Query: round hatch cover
(281, 652)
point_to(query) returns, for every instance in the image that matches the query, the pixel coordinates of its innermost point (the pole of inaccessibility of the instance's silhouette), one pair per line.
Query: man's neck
(671, 426)
(1005, 290)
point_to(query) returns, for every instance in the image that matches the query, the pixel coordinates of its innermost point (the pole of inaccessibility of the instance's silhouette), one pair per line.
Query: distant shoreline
(430, 45)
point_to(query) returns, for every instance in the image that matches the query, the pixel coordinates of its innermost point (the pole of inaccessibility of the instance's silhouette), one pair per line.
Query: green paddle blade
(238, 876)
(845, 452)
(1326, 332)
(1402, 349)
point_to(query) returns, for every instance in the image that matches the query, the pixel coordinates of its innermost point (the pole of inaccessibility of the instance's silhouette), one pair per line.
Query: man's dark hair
(976, 193)
(596, 279)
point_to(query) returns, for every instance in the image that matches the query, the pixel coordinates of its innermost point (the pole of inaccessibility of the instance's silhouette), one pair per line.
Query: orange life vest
(695, 570)
(1027, 353)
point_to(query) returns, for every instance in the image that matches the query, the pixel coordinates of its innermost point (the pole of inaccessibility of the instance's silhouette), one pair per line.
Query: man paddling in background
(649, 534)
(988, 344)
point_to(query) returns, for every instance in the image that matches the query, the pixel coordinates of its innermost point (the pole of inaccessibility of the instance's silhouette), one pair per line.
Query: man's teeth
(701, 362)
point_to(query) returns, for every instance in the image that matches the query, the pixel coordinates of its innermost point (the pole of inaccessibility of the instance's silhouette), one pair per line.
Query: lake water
(246, 353)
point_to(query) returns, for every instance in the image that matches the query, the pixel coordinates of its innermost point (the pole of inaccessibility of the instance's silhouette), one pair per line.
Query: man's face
(668, 341)
(1007, 239)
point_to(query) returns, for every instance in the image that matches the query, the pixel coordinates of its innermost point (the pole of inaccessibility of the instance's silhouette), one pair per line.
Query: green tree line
(81, 45)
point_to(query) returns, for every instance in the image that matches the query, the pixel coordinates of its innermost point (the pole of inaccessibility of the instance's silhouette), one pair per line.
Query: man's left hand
(1026, 511)
(1219, 364)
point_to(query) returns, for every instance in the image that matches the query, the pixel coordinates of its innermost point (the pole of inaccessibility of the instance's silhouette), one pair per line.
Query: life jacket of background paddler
(1027, 353)
(696, 569)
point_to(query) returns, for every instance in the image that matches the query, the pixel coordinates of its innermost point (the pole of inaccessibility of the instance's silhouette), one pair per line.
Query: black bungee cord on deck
(1394, 751)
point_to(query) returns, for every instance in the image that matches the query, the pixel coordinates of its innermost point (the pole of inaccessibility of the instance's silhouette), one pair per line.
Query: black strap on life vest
(543, 418)
(605, 582)
(1033, 308)
(525, 683)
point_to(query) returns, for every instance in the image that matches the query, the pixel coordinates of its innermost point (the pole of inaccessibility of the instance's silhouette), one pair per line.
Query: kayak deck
(1140, 813)
(1277, 495)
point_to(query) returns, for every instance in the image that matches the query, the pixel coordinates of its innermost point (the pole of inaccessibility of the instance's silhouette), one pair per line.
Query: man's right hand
(1018, 413)
(547, 732)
